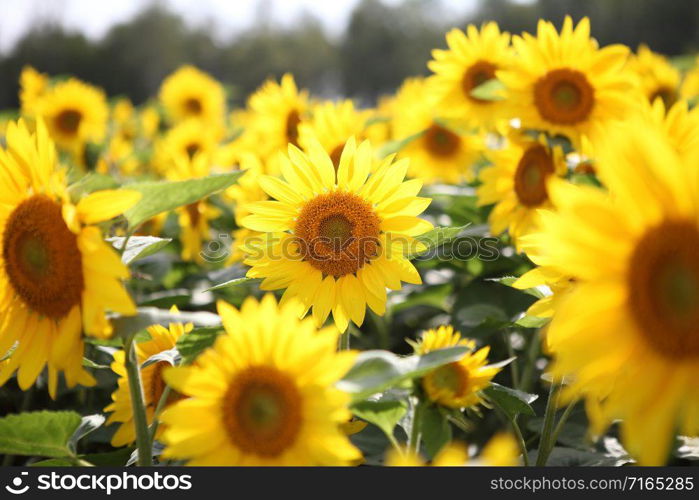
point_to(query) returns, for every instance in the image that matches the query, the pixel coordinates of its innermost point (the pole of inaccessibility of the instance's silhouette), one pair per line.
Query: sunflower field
(496, 265)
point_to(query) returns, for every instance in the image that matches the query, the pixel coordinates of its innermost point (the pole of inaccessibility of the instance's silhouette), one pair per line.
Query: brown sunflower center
(452, 377)
(157, 386)
(262, 411)
(532, 172)
(42, 260)
(192, 148)
(441, 141)
(664, 288)
(68, 121)
(338, 233)
(667, 94)
(564, 96)
(193, 212)
(477, 74)
(193, 106)
(292, 127)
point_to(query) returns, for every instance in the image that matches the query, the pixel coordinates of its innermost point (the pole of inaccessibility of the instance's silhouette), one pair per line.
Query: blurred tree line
(381, 45)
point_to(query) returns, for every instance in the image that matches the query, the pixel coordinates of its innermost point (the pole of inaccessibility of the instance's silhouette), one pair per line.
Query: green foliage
(138, 247)
(492, 90)
(375, 371)
(164, 196)
(196, 341)
(511, 401)
(384, 414)
(233, 283)
(147, 316)
(435, 430)
(41, 433)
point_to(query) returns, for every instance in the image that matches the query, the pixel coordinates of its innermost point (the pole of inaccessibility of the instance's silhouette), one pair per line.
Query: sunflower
(161, 339)
(332, 124)
(336, 240)
(193, 218)
(516, 183)
(276, 111)
(564, 84)
(457, 384)
(627, 332)
(191, 93)
(32, 85)
(473, 58)
(438, 151)
(57, 277)
(263, 394)
(679, 124)
(657, 78)
(75, 113)
(185, 139)
(500, 451)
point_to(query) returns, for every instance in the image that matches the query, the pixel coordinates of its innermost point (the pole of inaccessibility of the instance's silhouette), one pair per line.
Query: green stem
(514, 367)
(414, 441)
(545, 444)
(133, 372)
(532, 354)
(344, 341)
(381, 325)
(161, 404)
(562, 420)
(520, 440)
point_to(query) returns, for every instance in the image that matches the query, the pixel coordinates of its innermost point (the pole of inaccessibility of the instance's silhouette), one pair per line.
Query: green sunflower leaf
(232, 283)
(434, 429)
(490, 90)
(196, 341)
(41, 433)
(510, 401)
(137, 247)
(383, 414)
(375, 371)
(392, 147)
(161, 197)
(90, 183)
(435, 238)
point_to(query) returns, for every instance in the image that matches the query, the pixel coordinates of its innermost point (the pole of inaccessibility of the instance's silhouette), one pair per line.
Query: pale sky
(94, 17)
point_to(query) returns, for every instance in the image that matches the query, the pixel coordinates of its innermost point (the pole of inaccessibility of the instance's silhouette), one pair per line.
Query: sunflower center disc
(479, 73)
(193, 106)
(441, 141)
(338, 233)
(42, 259)
(292, 127)
(564, 96)
(68, 121)
(262, 411)
(157, 387)
(532, 172)
(664, 288)
(451, 377)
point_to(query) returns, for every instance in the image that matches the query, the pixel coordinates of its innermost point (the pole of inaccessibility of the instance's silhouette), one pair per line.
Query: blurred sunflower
(32, 85)
(276, 111)
(473, 58)
(564, 84)
(500, 451)
(332, 124)
(457, 384)
(161, 339)
(191, 93)
(75, 113)
(58, 276)
(517, 183)
(263, 394)
(186, 139)
(194, 218)
(438, 152)
(656, 76)
(337, 240)
(633, 315)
